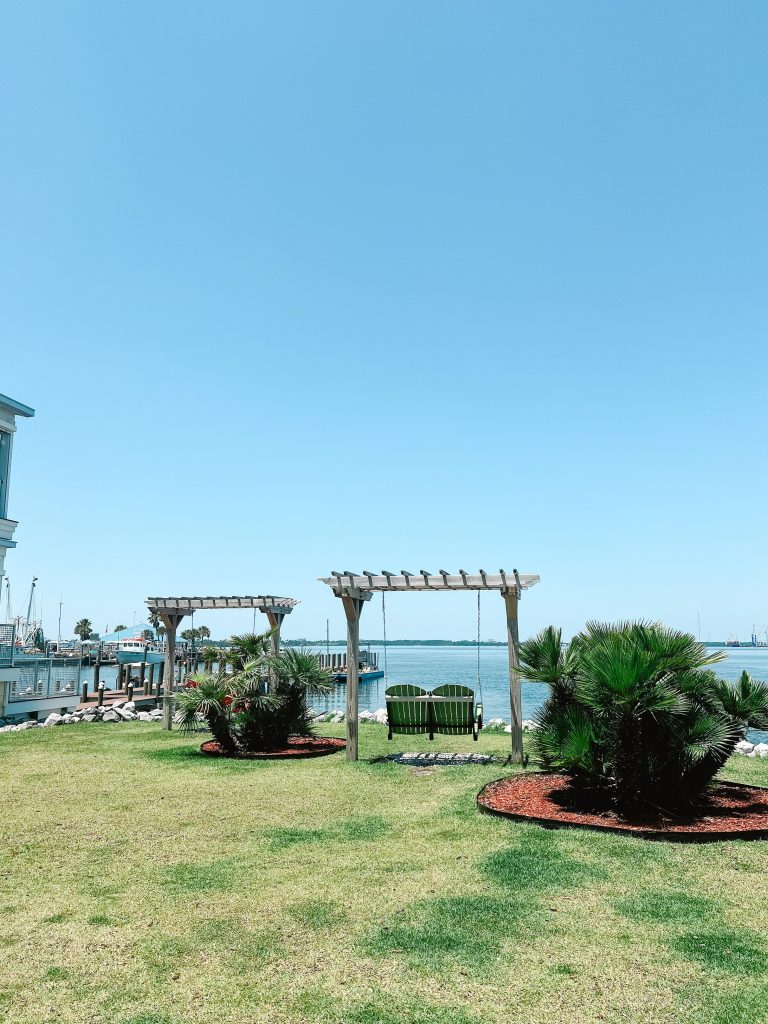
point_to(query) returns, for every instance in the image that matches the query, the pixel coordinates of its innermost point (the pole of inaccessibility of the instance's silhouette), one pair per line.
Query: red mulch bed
(298, 746)
(733, 811)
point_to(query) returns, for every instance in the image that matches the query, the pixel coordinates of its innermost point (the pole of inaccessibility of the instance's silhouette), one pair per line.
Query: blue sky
(301, 286)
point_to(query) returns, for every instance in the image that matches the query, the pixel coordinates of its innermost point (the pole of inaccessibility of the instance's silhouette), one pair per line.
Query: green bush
(259, 705)
(636, 716)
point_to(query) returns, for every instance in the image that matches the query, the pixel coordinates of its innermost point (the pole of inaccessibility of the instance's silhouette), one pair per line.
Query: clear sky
(296, 287)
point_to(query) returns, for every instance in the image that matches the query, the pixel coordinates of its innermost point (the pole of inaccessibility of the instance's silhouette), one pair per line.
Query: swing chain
(479, 677)
(384, 622)
(478, 638)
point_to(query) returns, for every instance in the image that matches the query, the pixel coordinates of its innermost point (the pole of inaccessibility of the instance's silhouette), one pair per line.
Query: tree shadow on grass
(190, 757)
(457, 931)
(213, 876)
(318, 1006)
(238, 948)
(675, 908)
(724, 950)
(320, 915)
(147, 1018)
(363, 829)
(539, 865)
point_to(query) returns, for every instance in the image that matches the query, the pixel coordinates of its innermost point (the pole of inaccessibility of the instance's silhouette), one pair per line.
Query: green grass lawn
(142, 884)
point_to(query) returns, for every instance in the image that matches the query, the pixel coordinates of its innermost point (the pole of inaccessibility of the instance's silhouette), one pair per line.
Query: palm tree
(635, 713)
(155, 622)
(83, 628)
(211, 654)
(244, 647)
(118, 628)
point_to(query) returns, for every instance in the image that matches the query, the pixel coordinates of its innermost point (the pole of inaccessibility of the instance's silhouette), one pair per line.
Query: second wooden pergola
(355, 589)
(173, 609)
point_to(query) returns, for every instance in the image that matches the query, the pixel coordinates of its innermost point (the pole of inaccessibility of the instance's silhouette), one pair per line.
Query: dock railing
(42, 678)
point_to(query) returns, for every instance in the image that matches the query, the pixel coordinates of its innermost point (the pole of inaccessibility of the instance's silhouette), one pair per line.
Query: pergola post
(171, 622)
(353, 606)
(511, 599)
(275, 619)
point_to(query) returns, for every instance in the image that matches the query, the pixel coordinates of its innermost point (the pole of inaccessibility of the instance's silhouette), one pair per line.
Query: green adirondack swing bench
(449, 710)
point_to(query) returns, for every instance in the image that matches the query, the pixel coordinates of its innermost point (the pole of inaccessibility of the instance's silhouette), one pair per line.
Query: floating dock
(368, 667)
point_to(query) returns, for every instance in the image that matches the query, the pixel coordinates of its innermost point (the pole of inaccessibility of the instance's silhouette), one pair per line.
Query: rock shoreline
(120, 711)
(125, 711)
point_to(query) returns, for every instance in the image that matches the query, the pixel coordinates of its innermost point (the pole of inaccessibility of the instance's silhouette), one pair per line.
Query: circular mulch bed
(298, 746)
(733, 811)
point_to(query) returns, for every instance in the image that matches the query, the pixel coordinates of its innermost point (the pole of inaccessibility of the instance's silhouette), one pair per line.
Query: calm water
(430, 666)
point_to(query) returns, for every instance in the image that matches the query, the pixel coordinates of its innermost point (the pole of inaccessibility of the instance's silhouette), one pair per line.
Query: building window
(5, 468)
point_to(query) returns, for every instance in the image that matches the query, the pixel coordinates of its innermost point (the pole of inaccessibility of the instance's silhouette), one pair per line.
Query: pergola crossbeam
(187, 605)
(387, 581)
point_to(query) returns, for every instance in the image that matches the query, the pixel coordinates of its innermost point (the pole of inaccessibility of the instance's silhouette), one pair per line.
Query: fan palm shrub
(245, 647)
(261, 704)
(636, 716)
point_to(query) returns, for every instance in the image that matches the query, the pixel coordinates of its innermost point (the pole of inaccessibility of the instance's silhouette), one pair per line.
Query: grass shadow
(318, 1006)
(674, 908)
(318, 914)
(439, 934)
(723, 950)
(238, 948)
(539, 865)
(363, 829)
(213, 876)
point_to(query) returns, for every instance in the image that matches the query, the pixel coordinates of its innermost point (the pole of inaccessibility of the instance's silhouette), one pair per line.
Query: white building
(16, 673)
(9, 411)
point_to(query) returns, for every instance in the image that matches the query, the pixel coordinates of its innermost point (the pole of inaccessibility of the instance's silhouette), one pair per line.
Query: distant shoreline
(473, 643)
(395, 643)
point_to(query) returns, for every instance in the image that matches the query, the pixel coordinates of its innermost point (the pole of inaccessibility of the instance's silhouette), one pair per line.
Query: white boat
(139, 651)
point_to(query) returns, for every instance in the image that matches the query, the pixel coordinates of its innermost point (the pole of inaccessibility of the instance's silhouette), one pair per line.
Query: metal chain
(479, 683)
(384, 621)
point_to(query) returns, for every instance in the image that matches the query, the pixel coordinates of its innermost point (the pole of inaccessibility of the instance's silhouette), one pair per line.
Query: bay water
(429, 667)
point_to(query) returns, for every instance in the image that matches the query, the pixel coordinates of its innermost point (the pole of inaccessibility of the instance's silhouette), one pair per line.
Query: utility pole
(61, 602)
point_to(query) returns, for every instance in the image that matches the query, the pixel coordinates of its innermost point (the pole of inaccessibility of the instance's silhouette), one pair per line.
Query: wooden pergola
(355, 589)
(173, 609)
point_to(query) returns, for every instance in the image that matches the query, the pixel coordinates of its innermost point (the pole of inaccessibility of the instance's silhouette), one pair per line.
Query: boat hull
(363, 677)
(133, 658)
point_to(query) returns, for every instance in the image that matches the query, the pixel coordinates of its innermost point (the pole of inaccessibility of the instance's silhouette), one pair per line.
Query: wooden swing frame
(354, 589)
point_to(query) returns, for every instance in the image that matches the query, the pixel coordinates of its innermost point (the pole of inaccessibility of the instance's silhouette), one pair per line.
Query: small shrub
(245, 713)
